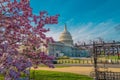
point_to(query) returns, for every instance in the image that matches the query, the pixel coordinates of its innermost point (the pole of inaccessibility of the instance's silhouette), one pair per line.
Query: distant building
(65, 47)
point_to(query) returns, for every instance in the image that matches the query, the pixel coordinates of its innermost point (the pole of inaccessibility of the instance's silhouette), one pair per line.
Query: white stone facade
(65, 47)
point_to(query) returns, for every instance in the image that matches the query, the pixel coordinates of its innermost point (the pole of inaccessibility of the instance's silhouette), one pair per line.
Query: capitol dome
(65, 37)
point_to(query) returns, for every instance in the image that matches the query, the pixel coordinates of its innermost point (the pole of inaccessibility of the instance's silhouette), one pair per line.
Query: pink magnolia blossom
(16, 30)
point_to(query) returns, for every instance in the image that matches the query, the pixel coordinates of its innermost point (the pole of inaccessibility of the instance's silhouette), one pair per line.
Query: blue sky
(85, 19)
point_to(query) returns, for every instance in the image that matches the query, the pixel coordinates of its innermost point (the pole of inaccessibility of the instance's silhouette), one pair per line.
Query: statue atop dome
(65, 28)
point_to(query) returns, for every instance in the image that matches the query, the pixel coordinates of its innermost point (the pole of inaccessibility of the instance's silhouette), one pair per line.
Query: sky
(86, 19)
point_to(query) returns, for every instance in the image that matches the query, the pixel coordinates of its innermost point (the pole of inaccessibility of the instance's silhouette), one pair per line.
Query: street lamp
(95, 60)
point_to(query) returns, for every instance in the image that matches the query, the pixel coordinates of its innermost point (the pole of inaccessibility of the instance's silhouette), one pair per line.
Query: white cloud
(86, 32)
(104, 30)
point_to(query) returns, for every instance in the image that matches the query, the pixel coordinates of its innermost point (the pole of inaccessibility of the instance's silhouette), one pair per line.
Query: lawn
(112, 57)
(52, 75)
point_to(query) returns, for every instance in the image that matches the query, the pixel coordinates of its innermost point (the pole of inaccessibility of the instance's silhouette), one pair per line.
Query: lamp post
(95, 60)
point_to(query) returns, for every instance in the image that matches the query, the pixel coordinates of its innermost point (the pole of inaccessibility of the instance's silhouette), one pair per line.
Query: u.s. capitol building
(65, 47)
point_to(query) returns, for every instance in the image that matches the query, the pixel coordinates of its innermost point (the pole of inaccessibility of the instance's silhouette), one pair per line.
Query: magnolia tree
(20, 27)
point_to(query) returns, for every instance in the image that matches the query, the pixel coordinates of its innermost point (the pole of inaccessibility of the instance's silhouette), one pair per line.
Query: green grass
(53, 75)
(112, 57)
(1, 77)
(109, 57)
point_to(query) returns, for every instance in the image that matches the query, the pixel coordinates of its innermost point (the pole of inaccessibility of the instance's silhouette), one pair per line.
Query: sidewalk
(76, 69)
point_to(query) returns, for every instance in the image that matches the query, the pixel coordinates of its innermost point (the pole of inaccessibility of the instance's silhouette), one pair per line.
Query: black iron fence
(108, 75)
(105, 75)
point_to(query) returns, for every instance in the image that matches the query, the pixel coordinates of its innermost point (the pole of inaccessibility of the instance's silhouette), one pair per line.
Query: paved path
(90, 65)
(76, 69)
